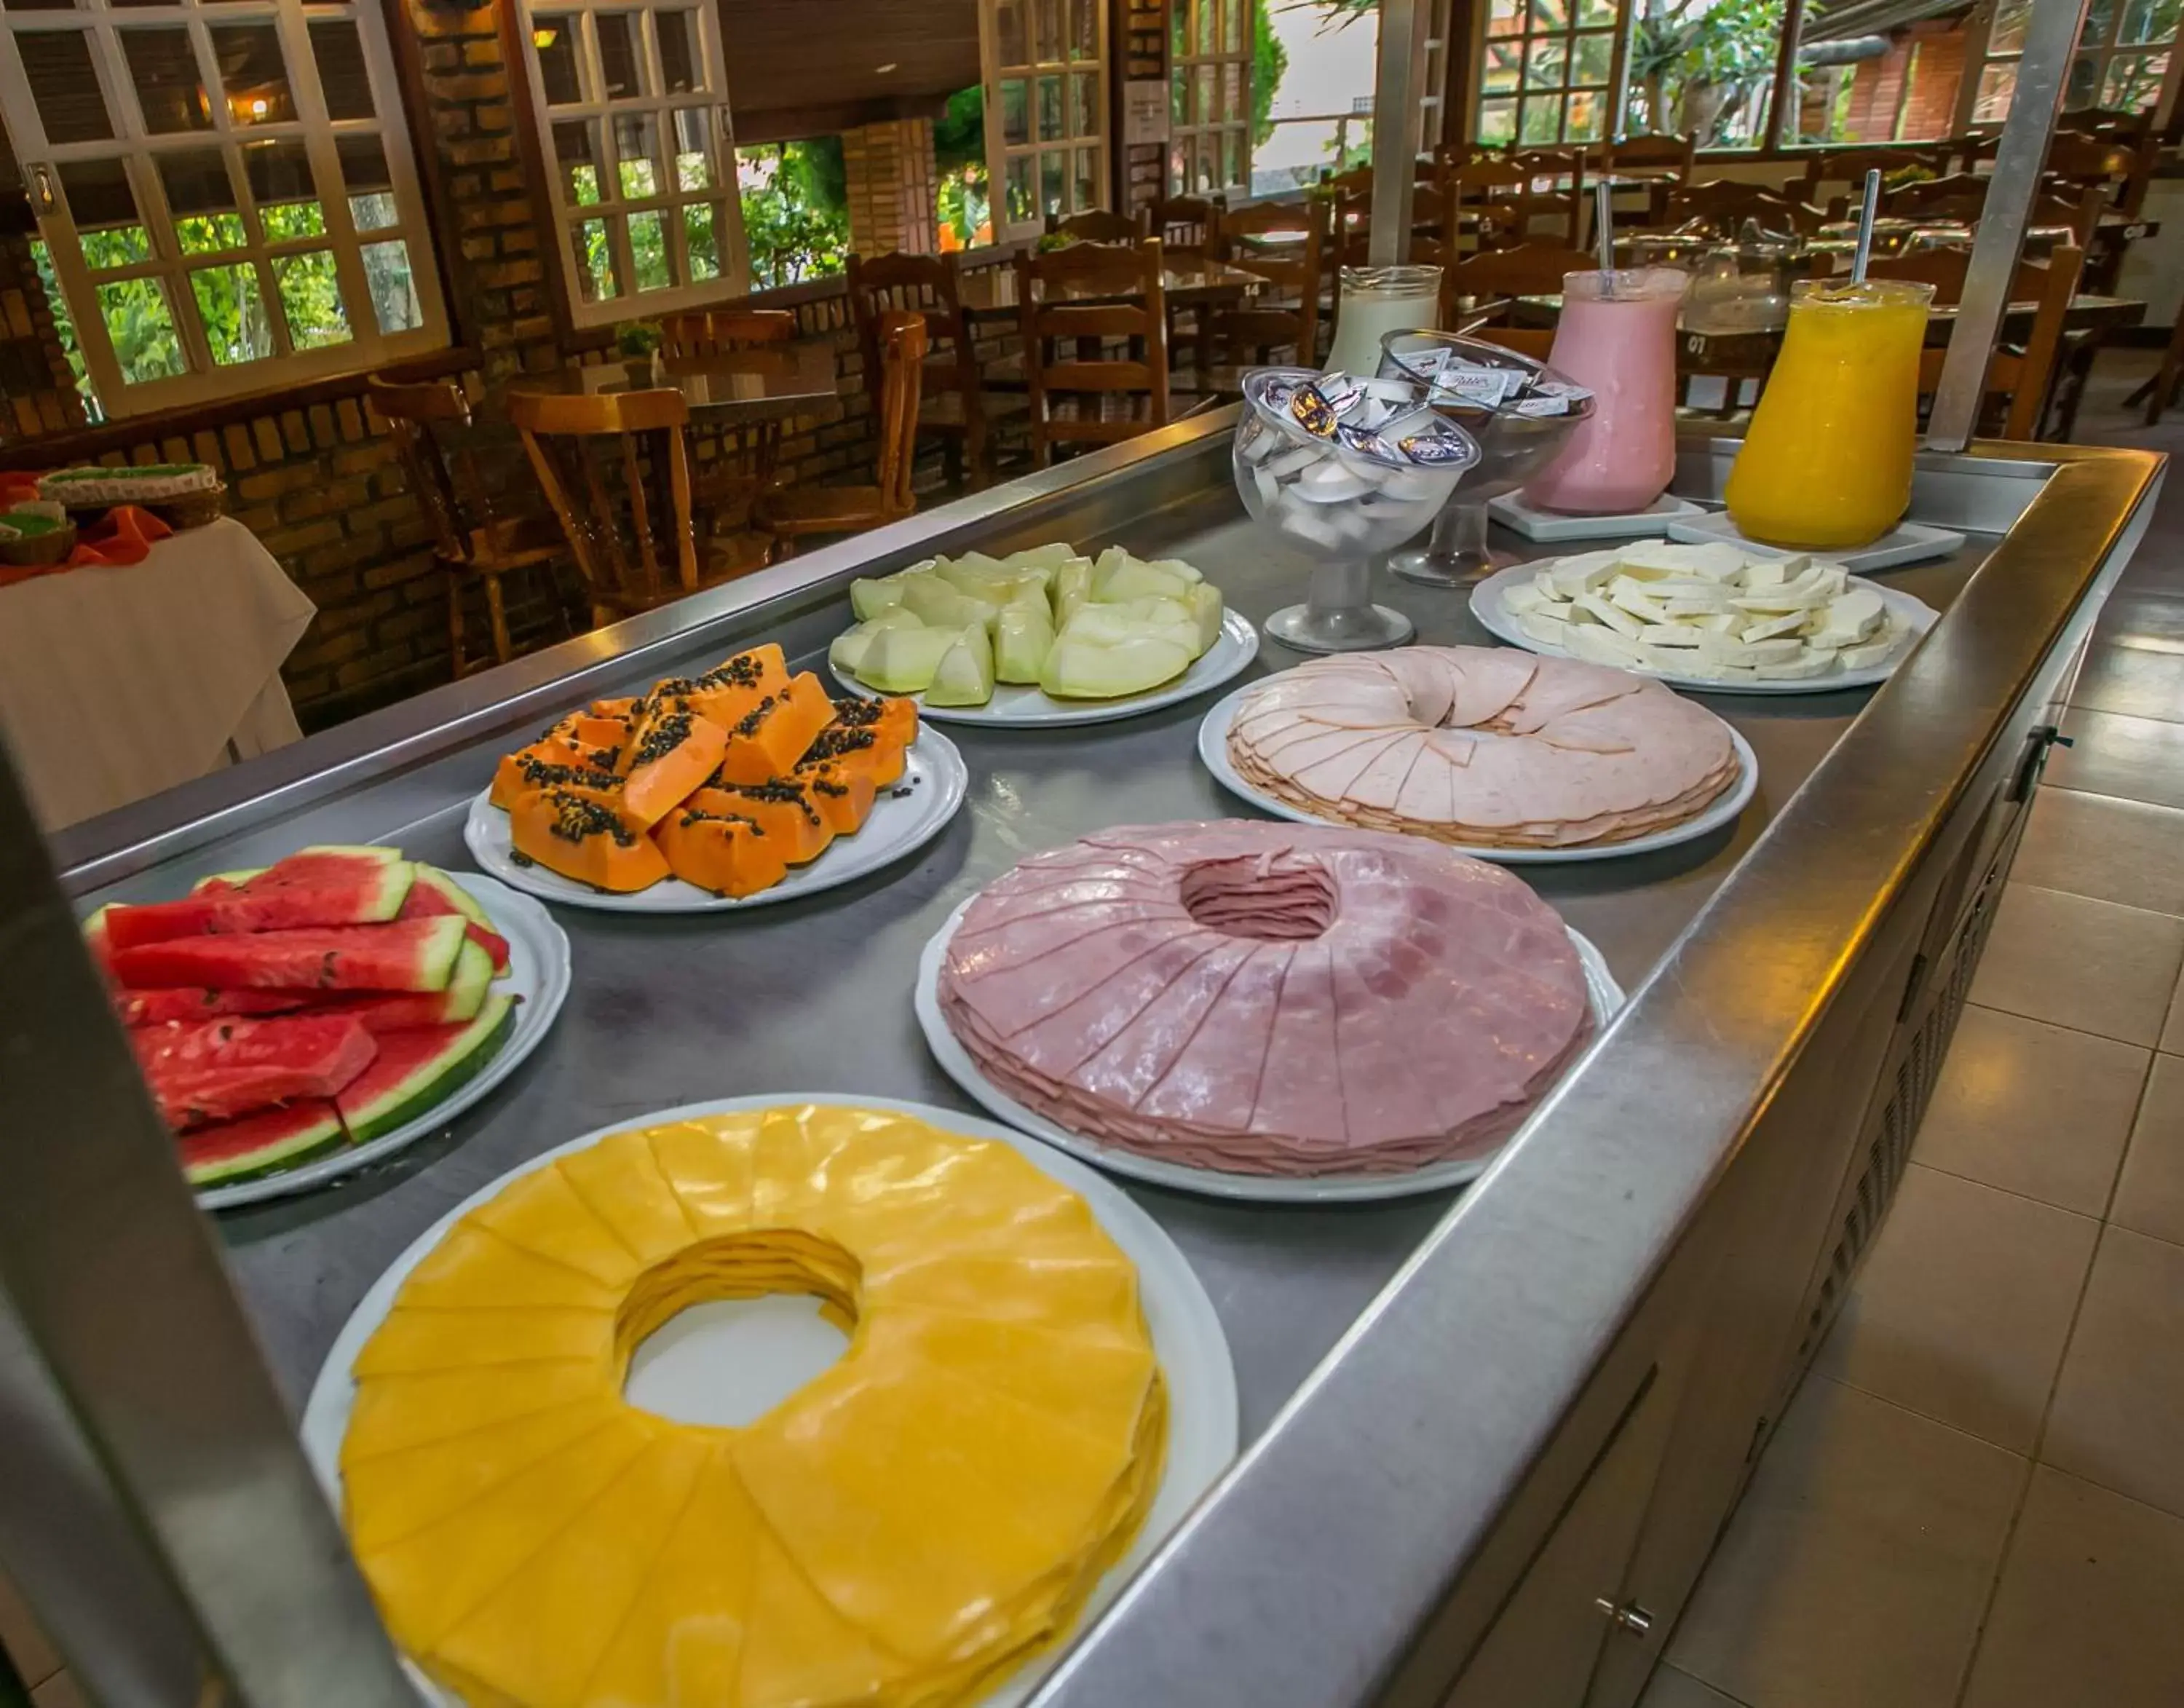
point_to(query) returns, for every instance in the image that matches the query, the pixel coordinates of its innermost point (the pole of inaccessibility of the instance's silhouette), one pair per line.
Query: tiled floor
(1977, 1499)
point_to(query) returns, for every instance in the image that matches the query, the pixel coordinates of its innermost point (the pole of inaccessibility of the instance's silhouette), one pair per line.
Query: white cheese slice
(1675, 634)
(1634, 601)
(1582, 572)
(1601, 646)
(1789, 623)
(1603, 610)
(1802, 668)
(1869, 654)
(1548, 631)
(1521, 598)
(1698, 605)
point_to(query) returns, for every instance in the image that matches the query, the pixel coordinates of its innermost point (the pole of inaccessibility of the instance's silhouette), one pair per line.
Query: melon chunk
(945, 606)
(1080, 668)
(903, 661)
(965, 675)
(1021, 637)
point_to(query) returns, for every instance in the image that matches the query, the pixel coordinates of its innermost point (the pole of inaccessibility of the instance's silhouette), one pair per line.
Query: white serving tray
(1657, 519)
(1213, 751)
(1269, 1189)
(933, 772)
(537, 977)
(1909, 542)
(1186, 1333)
(1016, 705)
(1495, 617)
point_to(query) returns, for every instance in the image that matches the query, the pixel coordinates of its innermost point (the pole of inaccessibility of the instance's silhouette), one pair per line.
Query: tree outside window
(796, 210)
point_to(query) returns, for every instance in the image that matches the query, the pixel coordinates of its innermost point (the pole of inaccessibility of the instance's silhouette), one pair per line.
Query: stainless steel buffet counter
(1467, 1421)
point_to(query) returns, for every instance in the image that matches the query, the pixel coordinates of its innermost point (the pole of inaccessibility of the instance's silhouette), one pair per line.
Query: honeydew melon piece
(868, 598)
(1072, 587)
(903, 661)
(965, 674)
(1176, 567)
(946, 606)
(1118, 576)
(1022, 634)
(1051, 556)
(1080, 669)
(1107, 625)
(1205, 606)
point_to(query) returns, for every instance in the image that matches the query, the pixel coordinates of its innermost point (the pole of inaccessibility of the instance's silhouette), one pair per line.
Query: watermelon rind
(289, 1136)
(470, 982)
(459, 898)
(463, 1057)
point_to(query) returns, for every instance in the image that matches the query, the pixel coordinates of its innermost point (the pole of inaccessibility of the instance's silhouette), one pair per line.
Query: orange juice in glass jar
(1826, 462)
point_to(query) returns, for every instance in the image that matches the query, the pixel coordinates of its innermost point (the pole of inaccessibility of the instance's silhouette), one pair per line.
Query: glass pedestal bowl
(1515, 441)
(1341, 501)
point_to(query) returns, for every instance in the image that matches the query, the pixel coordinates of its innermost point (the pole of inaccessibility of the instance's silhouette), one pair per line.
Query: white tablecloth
(118, 682)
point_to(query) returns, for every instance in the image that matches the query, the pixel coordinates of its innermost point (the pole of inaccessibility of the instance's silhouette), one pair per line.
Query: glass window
(253, 74)
(164, 68)
(56, 65)
(1214, 60)
(2111, 68)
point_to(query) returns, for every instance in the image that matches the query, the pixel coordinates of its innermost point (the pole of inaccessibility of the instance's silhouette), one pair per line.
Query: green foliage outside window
(1704, 68)
(796, 210)
(963, 199)
(1270, 64)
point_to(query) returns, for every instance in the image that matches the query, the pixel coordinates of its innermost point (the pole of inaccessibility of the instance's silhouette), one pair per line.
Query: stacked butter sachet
(1713, 611)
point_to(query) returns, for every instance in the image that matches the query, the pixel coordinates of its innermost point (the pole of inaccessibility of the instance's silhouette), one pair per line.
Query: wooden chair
(1848, 167)
(802, 511)
(2109, 124)
(1098, 226)
(2026, 376)
(954, 405)
(1101, 393)
(1959, 196)
(1726, 206)
(1665, 160)
(471, 541)
(630, 528)
(745, 459)
(1496, 203)
(1285, 317)
(1186, 224)
(1492, 279)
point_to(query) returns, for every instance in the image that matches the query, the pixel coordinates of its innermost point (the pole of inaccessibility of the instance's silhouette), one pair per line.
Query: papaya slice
(611, 708)
(721, 852)
(541, 765)
(842, 789)
(891, 721)
(861, 750)
(770, 739)
(782, 812)
(584, 834)
(670, 753)
(731, 690)
(598, 742)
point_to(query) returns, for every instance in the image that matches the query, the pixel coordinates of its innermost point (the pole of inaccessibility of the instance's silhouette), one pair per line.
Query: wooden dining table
(990, 293)
(723, 389)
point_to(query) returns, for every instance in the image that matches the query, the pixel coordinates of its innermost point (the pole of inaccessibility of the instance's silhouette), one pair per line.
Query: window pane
(2148, 20)
(2084, 81)
(1084, 103)
(58, 64)
(553, 37)
(1010, 45)
(1022, 205)
(1016, 114)
(1087, 178)
(170, 92)
(1085, 29)
(232, 312)
(700, 243)
(1996, 86)
(281, 183)
(386, 274)
(1506, 17)
(1596, 13)
(1050, 44)
(1543, 65)
(2134, 81)
(648, 251)
(253, 74)
(377, 212)
(369, 185)
(1595, 60)
(1232, 92)
(1050, 109)
(2007, 34)
(621, 67)
(1550, 14)
(1232, 26)
(311, 296)
(2100, 19)
(1504, 65)
(1050, 185)
(576, 148)
(637, 155)
(1498, 121)
(693, 150)
(595, 280)
(678, 52)
(203, 201)
(342, 73)
(1586, 121)
(42, 5)
(1541, 120)
(141, 323)
(103, 206)
(1232, 156)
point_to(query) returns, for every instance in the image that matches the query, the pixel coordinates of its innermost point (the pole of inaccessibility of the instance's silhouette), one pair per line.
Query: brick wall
(1931, 56)
(891, 180)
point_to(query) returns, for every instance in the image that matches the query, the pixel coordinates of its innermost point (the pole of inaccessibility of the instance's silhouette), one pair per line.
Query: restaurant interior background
(232, 213)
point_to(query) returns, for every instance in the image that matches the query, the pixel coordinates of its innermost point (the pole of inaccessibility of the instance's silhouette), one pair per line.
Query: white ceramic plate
(1908, 542)
(1187, 1338)
(1016, 706)
(538, 976)
(1513, 513)
(933, 772)
(1269, 1189)
(1496, 618)
(1213, 751)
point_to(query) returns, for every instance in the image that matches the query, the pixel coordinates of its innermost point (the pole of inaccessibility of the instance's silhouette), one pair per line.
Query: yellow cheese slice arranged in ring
(899, 1532)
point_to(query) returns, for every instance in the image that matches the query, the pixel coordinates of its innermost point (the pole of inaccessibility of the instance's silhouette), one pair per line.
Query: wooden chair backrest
(2107, 121)
(2087, 158)
(931, 286)
(1652, 153)
(1959, 196)
(1098, 226)
(567, 437)
(1270, 323)
(1850, 165)
(1133, 304)
(1454, 157)
(2027, 377)
(719, 332)
(1186, 222)
(904, 341)
(453, 496)
(1728, 205)
(1501, 276)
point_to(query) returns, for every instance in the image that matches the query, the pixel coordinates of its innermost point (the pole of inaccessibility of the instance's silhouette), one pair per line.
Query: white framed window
(225, 191)
(631, 102)
(1046, 109)
(1210, 72)
(2126, 59)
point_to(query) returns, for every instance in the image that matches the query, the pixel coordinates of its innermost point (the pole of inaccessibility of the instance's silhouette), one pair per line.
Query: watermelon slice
(166, 1007)
(229, 1150)
(415, 1069)
(231, 1067)
(94, 939)
(465, 996)
(401, 954)
(435, 893)
(368, 898)
(323, 863)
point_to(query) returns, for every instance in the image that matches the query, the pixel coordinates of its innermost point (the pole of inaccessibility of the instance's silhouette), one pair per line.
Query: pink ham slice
(1292, 1000)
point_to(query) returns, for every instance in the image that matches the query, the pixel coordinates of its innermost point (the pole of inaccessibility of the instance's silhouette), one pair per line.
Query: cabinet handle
(1627, 1615)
